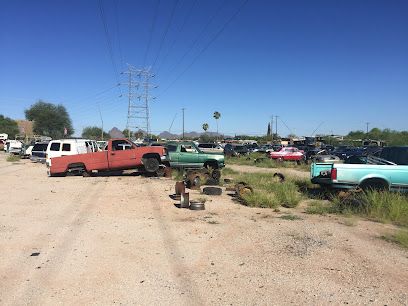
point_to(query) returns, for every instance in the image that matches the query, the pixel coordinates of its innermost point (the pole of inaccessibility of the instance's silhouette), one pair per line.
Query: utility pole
(183, 121)
(145, 75)
(367, 123)
(271, 129)
(138, 111)
(131, 123)
(100, 114)
(276, 126)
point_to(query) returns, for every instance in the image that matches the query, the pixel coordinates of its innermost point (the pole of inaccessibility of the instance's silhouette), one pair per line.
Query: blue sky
(328, 64)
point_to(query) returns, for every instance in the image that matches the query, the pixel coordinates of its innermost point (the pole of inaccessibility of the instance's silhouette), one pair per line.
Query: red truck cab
(120, 154)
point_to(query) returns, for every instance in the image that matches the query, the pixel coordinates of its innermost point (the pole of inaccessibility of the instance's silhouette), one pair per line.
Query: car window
(119, 145)
(66, 147)
(40, 147)
(55, 146)
(171, 148)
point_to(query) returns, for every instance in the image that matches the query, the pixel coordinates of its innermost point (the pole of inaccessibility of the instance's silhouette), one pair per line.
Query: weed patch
(177, 175)
(400, 237)
(317, 207)
(13, 158)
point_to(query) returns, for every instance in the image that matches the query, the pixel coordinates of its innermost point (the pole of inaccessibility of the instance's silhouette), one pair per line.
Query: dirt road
(285, 171)
(111, 240)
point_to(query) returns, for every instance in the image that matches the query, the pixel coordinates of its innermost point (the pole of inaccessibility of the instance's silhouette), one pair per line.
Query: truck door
(122, 155)
(189, 156)
(172, 149)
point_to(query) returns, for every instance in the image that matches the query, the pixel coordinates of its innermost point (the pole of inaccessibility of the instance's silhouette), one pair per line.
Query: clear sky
(331, 65)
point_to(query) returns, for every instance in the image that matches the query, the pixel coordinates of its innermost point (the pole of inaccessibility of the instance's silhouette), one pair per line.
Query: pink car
(288, 153)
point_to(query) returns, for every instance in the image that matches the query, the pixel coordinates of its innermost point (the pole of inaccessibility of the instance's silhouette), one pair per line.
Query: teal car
(188, 155)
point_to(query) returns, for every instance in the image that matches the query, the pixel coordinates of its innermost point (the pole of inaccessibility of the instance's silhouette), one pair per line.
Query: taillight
(333, 174)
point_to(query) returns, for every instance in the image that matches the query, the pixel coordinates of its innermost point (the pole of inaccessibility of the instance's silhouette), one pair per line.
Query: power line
(290, 130)
(151, 31)
(197, 39)
(116, 3)
(108, 40)
(179, 30)
(224, 26)
(166, 31)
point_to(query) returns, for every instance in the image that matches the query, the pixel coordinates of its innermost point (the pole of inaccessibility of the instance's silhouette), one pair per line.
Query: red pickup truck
(120, 154)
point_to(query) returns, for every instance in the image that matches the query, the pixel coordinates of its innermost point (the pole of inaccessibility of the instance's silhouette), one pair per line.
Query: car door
(122, 155)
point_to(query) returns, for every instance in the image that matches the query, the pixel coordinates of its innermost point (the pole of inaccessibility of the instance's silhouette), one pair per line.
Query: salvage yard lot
(120, 239)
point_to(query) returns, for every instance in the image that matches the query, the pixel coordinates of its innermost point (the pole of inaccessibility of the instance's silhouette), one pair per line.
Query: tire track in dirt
(173, 253)
(31, 292)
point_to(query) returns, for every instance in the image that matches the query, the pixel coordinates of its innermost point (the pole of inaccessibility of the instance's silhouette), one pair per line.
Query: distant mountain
(167, 135)
(116, 133)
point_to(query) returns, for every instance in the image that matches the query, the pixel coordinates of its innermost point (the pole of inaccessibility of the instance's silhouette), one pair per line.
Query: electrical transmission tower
(138, 117)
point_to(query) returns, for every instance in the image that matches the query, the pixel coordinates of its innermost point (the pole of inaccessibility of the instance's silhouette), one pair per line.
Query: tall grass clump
(260, 199)
(381, 206)
(285, 194)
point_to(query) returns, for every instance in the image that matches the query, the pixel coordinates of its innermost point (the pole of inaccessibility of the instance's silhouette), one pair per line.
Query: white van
(62, 147)
(13, 146)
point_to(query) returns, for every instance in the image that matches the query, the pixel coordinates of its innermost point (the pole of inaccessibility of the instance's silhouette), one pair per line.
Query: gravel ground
(120, 239)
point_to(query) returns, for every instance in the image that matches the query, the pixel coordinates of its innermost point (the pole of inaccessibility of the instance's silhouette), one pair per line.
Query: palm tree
(205, 127)
(217, 116)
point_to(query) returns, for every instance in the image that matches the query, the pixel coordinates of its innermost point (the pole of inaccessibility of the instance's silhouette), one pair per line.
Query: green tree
(205, 127)
(8, 126)
(94, 132)
(50, 119)
(128, 133)
(217, 116)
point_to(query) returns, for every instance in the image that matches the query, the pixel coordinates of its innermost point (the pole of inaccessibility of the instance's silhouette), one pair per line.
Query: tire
(151, 165)
(374, 185)
(86, 174)
(212, 190)
(196, 182)
(197, 205)
(279, 176)
(216, 174)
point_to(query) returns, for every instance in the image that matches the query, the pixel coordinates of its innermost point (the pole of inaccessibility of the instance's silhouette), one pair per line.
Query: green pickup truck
(187, 155)
(382, 176)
